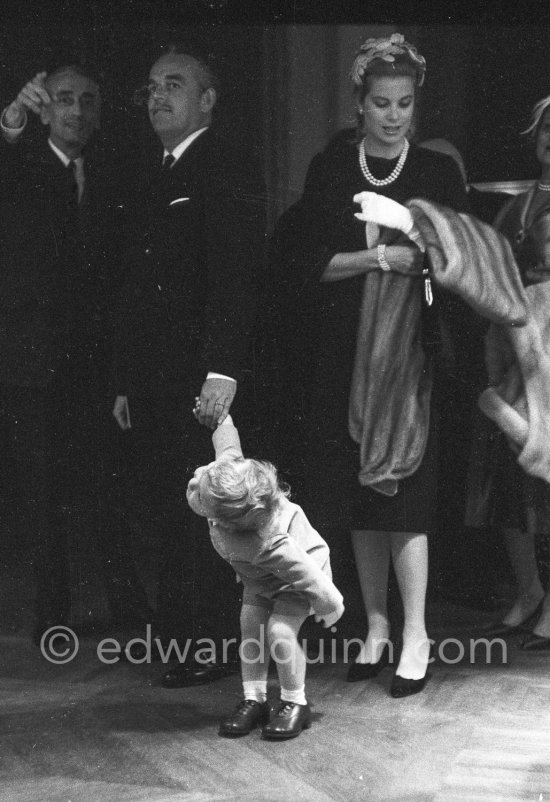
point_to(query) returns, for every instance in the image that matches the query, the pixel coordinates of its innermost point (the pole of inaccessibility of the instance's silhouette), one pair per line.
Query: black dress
(318, 347)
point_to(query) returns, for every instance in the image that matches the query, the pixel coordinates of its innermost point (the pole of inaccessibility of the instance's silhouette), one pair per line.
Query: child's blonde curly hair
(244, 492)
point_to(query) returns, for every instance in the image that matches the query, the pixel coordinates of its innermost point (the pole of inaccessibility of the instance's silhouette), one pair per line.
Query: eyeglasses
(146, 93)
(86, 101)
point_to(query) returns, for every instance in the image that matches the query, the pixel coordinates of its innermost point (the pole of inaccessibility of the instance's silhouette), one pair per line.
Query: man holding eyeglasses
(184, 332)
(67, 101)
(59, 212)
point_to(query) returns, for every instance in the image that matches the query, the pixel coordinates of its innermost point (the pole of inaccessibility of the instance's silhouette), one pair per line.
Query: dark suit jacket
(57, 265)
(194, 255)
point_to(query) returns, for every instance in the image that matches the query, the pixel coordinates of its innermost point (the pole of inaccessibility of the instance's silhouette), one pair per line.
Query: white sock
(256, 690)
(297, 697)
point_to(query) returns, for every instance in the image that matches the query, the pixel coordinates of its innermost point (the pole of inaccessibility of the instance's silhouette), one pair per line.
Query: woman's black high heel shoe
(535, 643)
(361, 671)
(506, 630)
(403, 686)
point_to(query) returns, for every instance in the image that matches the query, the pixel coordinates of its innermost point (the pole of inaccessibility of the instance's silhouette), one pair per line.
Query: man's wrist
(12, 127)
(381, 257)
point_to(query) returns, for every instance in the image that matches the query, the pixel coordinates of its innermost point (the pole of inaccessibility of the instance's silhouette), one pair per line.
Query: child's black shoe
(246, 716)
(288, 722)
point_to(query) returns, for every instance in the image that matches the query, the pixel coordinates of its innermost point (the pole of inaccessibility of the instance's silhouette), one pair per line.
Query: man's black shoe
(188, 675)
(141, 652)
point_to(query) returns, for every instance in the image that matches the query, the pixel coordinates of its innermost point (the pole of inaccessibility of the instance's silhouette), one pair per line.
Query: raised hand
(33, 96)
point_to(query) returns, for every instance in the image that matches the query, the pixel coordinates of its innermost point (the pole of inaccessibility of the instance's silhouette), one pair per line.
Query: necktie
(71, 168)
(168, 161)
(77, 169)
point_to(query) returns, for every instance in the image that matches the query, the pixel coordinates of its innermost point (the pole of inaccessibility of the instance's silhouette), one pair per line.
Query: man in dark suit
(194, 255)
(59, 221)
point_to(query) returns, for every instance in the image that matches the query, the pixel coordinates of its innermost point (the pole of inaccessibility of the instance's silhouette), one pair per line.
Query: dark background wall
(481, 84)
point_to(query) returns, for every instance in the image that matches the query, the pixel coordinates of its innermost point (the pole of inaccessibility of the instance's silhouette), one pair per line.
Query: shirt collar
(179, 149)
(62, 156)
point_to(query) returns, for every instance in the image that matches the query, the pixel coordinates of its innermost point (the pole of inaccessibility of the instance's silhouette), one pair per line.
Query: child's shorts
(285, 602)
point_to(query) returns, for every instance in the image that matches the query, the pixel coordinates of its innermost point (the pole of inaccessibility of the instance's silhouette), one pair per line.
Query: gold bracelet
(382, 261)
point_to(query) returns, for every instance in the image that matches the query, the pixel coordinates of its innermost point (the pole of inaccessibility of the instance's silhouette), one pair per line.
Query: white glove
(383, 211)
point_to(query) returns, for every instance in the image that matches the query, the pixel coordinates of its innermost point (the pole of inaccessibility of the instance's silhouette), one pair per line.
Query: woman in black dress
(366, 333)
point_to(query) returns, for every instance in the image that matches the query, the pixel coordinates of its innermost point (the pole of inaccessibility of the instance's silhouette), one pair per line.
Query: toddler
(284, 566)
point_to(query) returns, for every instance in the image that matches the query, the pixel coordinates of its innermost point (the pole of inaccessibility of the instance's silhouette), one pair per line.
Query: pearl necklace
(395, 173)
(544, 187)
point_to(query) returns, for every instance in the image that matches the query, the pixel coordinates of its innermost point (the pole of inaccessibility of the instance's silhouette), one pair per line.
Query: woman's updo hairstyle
(537, 116)
(387, 56)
